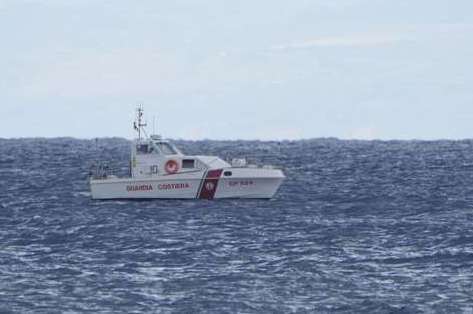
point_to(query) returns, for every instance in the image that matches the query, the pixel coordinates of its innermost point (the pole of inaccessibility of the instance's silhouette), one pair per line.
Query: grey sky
(238, 69)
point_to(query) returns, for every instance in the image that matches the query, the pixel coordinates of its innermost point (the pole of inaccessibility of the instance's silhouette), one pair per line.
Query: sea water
(358, 226)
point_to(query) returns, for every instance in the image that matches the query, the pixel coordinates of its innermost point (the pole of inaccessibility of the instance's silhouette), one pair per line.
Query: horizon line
(244, 139)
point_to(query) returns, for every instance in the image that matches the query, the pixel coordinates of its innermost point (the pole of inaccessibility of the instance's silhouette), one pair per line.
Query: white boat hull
(214, 184)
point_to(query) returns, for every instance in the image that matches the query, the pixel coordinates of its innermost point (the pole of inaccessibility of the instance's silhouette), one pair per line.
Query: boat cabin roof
(155, 145)
(159, 147)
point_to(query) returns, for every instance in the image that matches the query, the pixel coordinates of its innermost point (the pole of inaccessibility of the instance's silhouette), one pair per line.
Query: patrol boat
(159, 170)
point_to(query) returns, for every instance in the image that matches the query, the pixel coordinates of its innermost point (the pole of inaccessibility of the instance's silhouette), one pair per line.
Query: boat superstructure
(159, 170)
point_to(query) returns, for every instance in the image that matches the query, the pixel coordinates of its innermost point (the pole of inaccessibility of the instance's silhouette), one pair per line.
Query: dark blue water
(383, 227)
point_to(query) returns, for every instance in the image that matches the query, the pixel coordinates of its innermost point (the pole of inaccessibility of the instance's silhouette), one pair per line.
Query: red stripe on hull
(209, 187)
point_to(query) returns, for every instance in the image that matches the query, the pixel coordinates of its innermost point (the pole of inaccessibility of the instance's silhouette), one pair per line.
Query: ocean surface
(359, 226)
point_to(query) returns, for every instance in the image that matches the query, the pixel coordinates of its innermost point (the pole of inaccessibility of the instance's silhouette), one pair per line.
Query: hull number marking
(241, 183)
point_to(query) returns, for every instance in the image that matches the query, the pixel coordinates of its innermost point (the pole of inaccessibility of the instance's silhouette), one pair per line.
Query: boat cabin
(155, 156)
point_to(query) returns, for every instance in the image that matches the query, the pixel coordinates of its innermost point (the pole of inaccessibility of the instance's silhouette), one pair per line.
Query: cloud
(129, 71)
(61, 3)
(359, 40)
(381, 38)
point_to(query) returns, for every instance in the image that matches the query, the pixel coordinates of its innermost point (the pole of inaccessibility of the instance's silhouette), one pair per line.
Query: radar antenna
(139, 125)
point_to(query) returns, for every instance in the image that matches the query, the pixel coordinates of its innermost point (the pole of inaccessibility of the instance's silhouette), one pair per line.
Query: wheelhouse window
(167, 149)
(142, 148)
(188, 164)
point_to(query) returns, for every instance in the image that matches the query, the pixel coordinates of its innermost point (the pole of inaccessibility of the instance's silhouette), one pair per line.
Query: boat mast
(139, 125)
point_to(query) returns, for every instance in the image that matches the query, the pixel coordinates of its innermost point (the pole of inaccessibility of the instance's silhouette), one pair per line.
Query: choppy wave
(383, 227)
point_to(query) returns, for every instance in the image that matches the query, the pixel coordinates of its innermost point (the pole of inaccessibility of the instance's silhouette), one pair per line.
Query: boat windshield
(167, 149)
